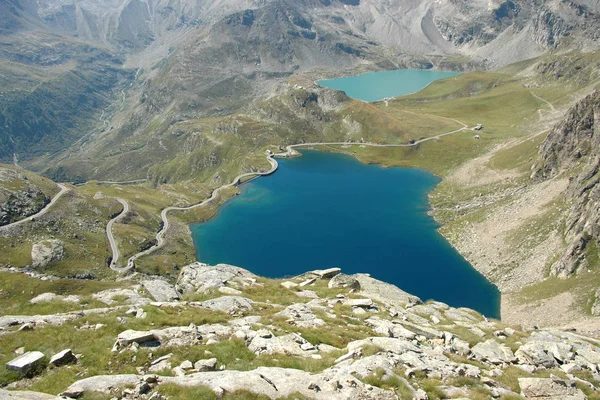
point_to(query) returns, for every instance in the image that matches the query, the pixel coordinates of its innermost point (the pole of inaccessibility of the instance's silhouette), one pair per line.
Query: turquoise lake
(326, 210)
(374, 86)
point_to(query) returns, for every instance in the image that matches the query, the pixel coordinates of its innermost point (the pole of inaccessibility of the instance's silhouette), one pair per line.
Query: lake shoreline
(427, 211)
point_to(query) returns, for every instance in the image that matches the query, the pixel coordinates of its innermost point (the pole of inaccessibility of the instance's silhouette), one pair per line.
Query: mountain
(574, 144)
(76, 69)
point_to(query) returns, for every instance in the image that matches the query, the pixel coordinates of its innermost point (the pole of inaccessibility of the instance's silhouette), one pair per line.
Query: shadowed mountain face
(85, 78)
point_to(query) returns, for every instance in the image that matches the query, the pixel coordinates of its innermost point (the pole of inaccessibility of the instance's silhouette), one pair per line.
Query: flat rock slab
(161, 290)
(62, 358)
(325, 273)
(25, 395)
(130, 336)
(25, 362)
(200, 278)
(549, 389)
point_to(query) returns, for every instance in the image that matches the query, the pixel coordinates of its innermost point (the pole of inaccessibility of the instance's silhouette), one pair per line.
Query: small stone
(72, 393)
(178, 371)
(263, 333)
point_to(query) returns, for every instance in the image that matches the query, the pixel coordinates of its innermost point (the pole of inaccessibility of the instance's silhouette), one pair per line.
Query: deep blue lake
(326, 210)
(374, 86)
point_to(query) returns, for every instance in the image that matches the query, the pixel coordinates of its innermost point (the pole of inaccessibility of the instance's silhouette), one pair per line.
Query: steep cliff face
(574, 145)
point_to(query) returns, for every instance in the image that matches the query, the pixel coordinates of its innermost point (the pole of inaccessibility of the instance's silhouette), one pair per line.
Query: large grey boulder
(385, 293)
(200, 278)
(228, 304)
(160, 289)
(130, 336)
(46, 251)
(26, 363)
(550, 389)
(25, 395)
(343, 281)
(492, 352)
(537, 354)
(324, 273)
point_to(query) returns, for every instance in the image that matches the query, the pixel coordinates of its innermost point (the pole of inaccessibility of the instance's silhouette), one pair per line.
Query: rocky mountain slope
(22, 194)
(222, 332)
(122, 71)
(575, 144)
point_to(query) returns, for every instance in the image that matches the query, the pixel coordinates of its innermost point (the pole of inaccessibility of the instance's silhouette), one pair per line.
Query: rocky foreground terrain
(222, 332)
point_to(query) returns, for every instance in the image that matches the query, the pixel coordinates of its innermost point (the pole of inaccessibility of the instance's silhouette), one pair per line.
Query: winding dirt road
(63, 190)
(113, 244)
(160, 241)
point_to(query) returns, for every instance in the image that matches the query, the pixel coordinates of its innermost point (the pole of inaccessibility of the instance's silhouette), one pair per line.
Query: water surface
(326, 210)
(374, 86)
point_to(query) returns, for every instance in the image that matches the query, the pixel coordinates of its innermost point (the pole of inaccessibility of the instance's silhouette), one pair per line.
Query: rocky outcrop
(574, 145)
(22, 204)
(160, 289)
(550, 389)
(43, 253)
(201, 278)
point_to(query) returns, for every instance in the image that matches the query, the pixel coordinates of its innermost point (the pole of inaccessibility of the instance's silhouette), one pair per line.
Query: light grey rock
(26, 363)
(160, 290)
(301, 315)
(45, 298)
(385, 293)
(536, 353)
(309, 294)
(25, 395)
(229, 291)
(163, 365)
(425, 331)
(325, 273)
(343, 281)
(130, 336)
(307, 282)
(549, 389)
(492, 352)
(289, 284)
(358, 302)
(206, 365)
(187, 364)
(290, 344)
(62, 358)
(228, 304)
(105, 383)
(200, 278)
(392, 345)
(44, 252)
(130, 296)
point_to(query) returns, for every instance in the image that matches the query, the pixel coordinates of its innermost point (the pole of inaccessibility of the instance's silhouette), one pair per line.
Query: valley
(122, 124)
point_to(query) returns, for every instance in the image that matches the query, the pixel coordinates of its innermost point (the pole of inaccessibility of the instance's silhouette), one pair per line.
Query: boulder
(206, 365)
(537, 354)
(343, 281)
(200, 278)
(385, 293)
(492, 352)
(325, 273)
(62, 358)
(46, 251)
(160, 289)
(228, 304)
(550, 389)
(130, 336)
(358, 302)
(24, 395)
(26, 363)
